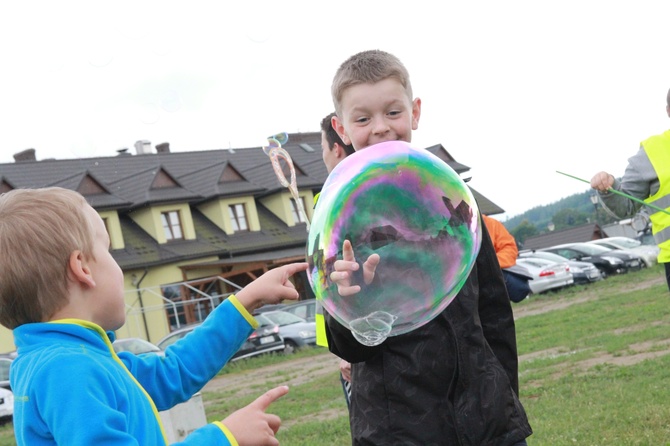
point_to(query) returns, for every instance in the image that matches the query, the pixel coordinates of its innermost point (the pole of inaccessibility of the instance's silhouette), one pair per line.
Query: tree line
(574, 210)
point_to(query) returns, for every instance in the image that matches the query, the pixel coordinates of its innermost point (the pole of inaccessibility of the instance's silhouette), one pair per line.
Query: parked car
(305, 309)
(6, 404)
(137, 346)
(582, 272)
(647, 238)
(648, 254)
(4, 372)
(296, 331)
(270, 307)
(607, 261)
(264, 339)
(547, 274)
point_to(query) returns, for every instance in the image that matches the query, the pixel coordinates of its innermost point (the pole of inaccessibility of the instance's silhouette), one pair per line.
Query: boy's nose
(380, 127)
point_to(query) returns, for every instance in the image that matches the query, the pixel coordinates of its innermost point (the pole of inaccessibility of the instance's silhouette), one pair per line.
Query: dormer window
(172, 225)
(238, 217)
(105, 220)
(297, 216)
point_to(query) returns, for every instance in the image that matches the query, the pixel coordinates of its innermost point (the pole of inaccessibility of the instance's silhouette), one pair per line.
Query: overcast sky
(516, 89)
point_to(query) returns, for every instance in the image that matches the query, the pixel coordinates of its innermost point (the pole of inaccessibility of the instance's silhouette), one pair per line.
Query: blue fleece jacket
(71, 388)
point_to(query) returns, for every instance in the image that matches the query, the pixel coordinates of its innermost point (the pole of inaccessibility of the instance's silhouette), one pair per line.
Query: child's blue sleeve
(194, 360)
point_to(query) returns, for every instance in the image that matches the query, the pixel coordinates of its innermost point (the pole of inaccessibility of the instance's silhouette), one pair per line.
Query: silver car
(582, 272)
(648, 254)
(6, 404)
(547, 275)
(296, 331)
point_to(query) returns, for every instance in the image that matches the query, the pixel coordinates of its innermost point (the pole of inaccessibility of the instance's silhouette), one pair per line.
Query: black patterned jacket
(453, 381)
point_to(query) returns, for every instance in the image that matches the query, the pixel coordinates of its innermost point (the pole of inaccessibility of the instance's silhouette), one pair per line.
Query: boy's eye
(361, 120)
(394, 113)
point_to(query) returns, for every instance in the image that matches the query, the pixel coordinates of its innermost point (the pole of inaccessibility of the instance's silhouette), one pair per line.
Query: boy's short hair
(667, 99)
(368, 67)
(39, 229)
(331, 135)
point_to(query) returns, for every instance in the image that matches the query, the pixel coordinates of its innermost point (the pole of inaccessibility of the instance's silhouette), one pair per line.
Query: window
(172, 225)
(105, 220)
(297, 216)
(238, 217)
(193, 301)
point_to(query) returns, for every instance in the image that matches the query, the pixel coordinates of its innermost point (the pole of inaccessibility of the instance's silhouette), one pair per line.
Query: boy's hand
(271, 288)
(344, 268)
(251, 425)
(345, 370)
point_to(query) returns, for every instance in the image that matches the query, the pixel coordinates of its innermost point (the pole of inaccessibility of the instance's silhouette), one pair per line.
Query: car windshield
(4, 369)
(536, 262)
(282, 318)
(137, 346)
(626, 242)
(591, 249)
(548, 256)
(608, 245)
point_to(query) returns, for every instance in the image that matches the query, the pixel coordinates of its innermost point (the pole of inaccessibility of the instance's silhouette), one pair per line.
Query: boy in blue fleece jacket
(61, 293)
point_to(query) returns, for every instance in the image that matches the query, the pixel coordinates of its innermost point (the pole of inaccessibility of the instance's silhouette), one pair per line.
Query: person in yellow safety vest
(334, 150)
(647, 177)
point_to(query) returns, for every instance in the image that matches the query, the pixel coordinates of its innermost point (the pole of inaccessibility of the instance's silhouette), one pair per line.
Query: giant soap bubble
(414, 211)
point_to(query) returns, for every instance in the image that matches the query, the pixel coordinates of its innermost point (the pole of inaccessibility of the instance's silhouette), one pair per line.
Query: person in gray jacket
(647, 178)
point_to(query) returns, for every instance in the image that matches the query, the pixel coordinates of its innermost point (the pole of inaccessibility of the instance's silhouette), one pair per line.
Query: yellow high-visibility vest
(657, 149)
(321, 339)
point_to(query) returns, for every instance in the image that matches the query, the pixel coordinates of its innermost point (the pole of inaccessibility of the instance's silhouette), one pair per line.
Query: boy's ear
(339, 128)
(338, 150)
(79, 269)
(416, 113)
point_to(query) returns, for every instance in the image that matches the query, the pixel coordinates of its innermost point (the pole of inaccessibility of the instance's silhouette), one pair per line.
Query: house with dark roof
(190, 228)
(574, 234)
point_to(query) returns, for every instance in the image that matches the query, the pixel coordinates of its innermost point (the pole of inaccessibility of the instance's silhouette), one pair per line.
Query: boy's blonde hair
(368, 67)
(39, 229)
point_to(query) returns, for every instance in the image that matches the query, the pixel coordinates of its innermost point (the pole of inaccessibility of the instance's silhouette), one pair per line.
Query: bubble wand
(275, 152)
(614, 191)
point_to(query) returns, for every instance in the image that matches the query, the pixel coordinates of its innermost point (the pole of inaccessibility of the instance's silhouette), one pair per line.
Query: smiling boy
(453, 380)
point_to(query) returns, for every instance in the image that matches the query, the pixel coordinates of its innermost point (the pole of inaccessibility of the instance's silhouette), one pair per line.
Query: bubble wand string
(630, 197)
(275, 152)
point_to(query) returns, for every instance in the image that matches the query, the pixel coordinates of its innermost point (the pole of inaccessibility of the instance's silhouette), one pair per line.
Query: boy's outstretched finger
(369, 268)
(264, 401)
(293, 268)
(348, 251)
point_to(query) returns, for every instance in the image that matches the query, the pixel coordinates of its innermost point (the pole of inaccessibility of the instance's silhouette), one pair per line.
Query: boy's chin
(115, 326)
(407, 140)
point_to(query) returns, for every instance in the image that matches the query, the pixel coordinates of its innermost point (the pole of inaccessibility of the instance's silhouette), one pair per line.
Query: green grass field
(594, 370)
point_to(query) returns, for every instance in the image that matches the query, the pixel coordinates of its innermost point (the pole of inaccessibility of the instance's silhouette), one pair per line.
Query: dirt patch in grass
(256, 381)
(636, 352)
(538, 306)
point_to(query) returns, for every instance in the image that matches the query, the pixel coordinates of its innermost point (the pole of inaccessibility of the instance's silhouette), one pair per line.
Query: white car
(6, 403)
(648, 253)
(547, 275)
(137, 346)
(582, 272)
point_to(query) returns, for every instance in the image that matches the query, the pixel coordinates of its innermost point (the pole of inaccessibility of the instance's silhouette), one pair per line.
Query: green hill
(573, 210)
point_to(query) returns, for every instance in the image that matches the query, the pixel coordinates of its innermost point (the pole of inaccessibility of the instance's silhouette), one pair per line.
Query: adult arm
(639, 180)
(503, 242)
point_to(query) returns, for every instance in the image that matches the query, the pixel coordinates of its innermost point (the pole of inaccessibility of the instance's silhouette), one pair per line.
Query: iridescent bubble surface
(415, 212)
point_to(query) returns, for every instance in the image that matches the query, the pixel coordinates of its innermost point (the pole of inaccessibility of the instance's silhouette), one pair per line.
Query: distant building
(574, 234)
(189, 228)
